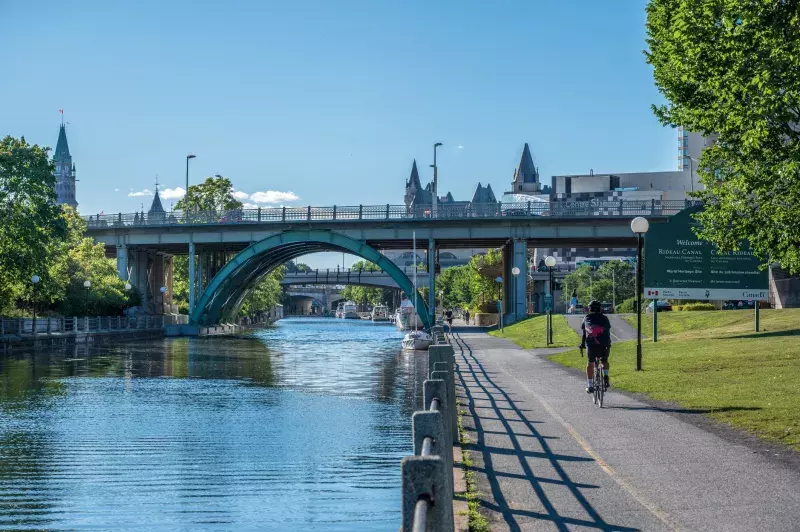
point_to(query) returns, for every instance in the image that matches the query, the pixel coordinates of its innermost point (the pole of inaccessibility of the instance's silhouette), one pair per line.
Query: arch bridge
(223, 297)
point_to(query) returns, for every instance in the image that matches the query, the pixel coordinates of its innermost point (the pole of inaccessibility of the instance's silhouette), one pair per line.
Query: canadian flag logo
(652, 292)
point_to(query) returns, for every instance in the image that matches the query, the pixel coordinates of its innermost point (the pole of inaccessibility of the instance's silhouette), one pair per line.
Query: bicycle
(599, 381)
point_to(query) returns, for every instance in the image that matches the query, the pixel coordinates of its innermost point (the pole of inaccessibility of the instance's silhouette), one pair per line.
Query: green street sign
(678, 265)
(548, 302)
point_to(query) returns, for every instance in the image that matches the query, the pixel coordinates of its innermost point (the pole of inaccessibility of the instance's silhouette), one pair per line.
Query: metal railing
(595, 208)
(25, 327)
(427, 476)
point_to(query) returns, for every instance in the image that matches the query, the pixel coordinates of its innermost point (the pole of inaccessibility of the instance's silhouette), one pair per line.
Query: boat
(417, 340)
(380, 313)
(340, 310)
(349, 311)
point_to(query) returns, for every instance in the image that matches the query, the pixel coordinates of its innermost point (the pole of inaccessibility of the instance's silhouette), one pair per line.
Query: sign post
(681, 266)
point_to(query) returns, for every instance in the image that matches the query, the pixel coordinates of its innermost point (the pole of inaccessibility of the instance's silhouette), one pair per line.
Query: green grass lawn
(531, 333)
(714, 362)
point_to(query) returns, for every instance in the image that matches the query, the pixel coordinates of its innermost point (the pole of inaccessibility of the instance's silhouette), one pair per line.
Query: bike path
(548, 459)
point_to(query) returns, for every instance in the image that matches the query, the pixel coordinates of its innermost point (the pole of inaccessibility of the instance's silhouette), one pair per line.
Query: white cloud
(139, 193)
(241, 196)
(460, 147)
(250, 206)
(173, 193)
(273, 196)
(116, 190)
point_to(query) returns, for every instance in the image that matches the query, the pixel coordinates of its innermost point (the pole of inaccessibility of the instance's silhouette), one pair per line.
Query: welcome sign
(678, 265)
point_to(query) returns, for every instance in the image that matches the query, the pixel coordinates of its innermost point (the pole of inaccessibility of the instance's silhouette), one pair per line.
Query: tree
(32, 223)
(729, 68)
(297, 267)
(365, 294)
(215, 194)
(613, 280)
(265, 295)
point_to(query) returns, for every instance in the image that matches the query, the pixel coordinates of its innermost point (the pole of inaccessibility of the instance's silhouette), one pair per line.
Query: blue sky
(330, 101)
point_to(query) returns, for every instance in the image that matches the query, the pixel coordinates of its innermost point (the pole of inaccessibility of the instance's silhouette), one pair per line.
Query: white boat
(349, 311)
(380, 313)
(417, 340)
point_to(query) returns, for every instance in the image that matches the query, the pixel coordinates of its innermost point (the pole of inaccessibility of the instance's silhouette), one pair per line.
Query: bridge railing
(40, 326)
(456, 211)
(427, 476)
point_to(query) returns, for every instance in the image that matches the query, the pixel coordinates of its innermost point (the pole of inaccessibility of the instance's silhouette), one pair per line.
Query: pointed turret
(526, 175)
(413, 185)
(156, 207)
(414, 178)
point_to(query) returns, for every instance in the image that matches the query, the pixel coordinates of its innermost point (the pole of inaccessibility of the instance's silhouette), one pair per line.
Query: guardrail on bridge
(461, 211)
(427, 476)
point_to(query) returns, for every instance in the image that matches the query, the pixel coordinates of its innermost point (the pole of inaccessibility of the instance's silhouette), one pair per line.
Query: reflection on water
(299, 427)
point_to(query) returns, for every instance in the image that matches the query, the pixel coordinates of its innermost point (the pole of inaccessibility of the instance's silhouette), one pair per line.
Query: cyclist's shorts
(602, 350)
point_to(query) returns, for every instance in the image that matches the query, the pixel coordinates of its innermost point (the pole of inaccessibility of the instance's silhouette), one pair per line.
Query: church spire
(414, 179)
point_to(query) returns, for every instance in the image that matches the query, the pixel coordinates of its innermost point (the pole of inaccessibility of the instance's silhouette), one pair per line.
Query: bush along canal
(299, 426)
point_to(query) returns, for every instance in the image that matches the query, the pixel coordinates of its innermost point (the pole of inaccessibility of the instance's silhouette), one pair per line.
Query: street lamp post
(190, 156)
(35, 280)
(639, 225)
(550, 261)
(515, 272)
(435, 199)
(87, 284)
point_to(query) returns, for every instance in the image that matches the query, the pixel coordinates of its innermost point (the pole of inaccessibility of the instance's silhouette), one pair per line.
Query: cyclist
(597, 338)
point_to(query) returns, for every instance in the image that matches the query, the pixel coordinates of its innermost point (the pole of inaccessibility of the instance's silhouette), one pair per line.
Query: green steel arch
(224, 295)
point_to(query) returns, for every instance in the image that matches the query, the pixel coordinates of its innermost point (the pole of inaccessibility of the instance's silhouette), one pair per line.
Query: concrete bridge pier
(515, 288)
(432, 279)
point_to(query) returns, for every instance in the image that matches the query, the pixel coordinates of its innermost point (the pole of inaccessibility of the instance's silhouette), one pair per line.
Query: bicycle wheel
(601, 390)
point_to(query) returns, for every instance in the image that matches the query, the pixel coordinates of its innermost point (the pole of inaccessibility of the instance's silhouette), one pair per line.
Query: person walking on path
(466, 316)
(448, 317)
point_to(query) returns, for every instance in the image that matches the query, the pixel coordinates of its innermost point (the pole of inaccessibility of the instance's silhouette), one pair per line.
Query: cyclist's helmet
(595, 306)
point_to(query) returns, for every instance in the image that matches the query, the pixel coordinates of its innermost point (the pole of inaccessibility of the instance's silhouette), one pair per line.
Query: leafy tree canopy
(731, 69)
(214, 194)
(32, 224)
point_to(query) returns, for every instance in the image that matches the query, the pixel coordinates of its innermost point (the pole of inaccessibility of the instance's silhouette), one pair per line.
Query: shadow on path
(475, 380)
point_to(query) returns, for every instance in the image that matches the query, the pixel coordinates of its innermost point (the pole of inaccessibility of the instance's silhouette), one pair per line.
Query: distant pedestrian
(448, 316)
(466, 316)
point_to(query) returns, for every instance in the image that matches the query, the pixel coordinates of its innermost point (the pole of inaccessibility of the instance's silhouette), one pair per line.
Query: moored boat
(417, 340)
(349, 311)
(380, 313)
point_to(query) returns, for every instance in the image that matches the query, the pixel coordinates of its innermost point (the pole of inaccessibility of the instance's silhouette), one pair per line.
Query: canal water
(300, 426)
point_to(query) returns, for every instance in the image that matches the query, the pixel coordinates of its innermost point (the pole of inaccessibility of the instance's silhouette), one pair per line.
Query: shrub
(627, 306)
(677, 307)
(697, 306)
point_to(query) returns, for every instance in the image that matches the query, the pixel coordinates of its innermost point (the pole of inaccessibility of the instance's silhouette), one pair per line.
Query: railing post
(283, 215)
(86, 324)
(529, 208)
(360, 211)
(620, 207)
(387, 211)
(652, 206)
(309, 212)
(334, 212)
(259, 214)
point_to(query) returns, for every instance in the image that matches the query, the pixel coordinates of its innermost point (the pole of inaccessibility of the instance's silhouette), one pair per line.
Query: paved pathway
(621, 330)
(549, 460)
